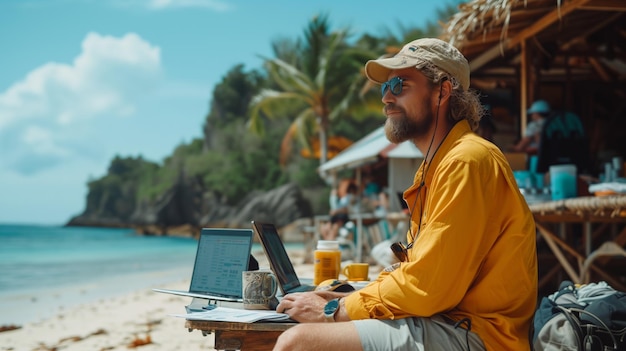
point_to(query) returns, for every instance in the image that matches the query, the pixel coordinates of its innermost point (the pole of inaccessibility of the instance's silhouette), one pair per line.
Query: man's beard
(402, 128)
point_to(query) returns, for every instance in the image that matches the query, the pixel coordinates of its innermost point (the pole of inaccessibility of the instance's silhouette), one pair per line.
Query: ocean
(44, 269)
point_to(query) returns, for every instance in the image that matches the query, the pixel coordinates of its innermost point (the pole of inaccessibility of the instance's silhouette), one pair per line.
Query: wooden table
(241, 336)
(596, 215)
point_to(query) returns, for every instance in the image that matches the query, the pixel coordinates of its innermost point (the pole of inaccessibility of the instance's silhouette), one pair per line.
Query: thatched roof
(585, 37)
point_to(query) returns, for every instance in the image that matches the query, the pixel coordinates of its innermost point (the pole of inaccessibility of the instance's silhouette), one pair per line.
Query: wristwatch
(331, 309)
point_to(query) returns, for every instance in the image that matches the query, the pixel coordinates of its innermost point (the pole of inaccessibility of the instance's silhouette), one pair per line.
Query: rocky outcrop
(184, 203)
(280, 206)
(186, 207)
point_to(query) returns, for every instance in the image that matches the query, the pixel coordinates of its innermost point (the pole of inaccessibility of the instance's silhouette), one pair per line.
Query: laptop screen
(277, 255)
(221, 257)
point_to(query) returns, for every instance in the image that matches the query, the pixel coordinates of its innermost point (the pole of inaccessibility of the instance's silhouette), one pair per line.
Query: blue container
(524, 179)
(532, 163)
(563, 181)
(538, 177)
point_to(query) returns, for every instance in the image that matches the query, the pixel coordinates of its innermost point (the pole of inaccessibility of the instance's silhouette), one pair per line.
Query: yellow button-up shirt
(475, 255)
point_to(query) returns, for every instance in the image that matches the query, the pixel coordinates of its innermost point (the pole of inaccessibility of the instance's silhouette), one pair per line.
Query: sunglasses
(394, 85)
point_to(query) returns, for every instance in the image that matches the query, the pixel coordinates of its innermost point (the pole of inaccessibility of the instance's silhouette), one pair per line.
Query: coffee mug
(258, 289)
(356, 271)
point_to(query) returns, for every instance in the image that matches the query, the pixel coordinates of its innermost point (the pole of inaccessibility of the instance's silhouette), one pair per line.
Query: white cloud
(41, 141)
(215, 5)
(41, 115)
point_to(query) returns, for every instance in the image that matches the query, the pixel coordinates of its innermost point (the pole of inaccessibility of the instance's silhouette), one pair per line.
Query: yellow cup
(356, 271)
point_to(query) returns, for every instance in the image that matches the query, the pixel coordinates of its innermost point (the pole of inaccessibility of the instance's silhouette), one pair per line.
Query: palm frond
(287, 76)
(263, 103)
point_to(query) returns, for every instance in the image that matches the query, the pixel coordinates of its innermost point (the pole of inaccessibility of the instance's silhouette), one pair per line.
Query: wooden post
(523, 88)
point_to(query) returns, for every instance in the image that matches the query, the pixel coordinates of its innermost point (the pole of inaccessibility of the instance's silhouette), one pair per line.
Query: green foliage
(232, 96)
(241, 162)
(303, 171)
(115, 194)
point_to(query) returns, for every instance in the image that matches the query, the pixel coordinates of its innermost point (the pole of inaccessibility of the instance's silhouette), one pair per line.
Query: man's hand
(303, 307)
(307, 307)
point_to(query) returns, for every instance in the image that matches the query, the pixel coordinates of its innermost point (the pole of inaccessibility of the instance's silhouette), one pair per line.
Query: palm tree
(314, 81)
(318, 80)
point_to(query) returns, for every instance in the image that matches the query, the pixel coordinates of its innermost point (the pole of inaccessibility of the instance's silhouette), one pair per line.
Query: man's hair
(463, 104)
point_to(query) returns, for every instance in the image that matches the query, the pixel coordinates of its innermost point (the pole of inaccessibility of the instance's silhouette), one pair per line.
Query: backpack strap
(575, 323)
(602, 324)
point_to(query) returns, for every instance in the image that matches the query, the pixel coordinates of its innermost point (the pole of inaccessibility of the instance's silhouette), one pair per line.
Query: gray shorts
(416, 334)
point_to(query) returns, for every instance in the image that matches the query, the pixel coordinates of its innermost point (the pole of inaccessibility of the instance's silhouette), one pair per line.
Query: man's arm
(522, 144)
(308, 307)
(342, 314)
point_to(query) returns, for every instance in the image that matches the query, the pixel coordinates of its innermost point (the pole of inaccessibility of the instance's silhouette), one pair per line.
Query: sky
(83, 81)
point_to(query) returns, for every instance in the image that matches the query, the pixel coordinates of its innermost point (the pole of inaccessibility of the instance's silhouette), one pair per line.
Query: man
(529, 143)
(468, 280)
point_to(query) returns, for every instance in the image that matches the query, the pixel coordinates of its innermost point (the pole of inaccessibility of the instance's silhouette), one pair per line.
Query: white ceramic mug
(258, 289)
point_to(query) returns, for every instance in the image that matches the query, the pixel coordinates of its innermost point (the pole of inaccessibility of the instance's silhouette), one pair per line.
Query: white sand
(112, 324)
(117, 323)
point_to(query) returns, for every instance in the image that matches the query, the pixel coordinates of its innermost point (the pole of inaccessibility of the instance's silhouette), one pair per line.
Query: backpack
(573, 319)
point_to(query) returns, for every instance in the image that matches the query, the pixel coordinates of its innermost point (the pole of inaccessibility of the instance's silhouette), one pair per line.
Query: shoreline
(289, 233)
(48, 302)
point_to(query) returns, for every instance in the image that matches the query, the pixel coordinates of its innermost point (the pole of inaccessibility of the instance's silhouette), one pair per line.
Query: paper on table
(225, 314)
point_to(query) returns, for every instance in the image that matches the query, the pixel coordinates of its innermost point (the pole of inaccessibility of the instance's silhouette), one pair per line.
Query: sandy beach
(140, 319)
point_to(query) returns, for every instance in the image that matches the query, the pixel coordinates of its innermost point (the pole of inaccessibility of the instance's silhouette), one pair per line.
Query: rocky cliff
(186, 207)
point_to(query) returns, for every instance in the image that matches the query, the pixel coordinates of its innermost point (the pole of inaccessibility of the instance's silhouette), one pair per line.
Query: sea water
(47, 268)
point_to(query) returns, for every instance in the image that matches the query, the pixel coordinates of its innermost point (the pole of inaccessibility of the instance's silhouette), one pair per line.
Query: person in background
(467, 280)
(381, 252)
(342, 200)
(529, 143)
(382, 203)
(375, 198)
(370, 188)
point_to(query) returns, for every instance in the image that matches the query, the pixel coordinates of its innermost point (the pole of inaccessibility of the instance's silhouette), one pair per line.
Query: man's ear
(445, 89)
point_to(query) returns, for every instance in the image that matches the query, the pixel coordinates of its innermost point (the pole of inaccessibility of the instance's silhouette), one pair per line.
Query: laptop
(279, 260)
(221, 256)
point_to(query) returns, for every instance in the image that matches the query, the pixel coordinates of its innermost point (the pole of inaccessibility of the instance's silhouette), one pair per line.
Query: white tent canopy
(405, 150)
(367, 150)
(404, 159)
(358, 154)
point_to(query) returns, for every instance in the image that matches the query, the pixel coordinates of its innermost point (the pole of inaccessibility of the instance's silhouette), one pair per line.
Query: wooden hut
(569, 52)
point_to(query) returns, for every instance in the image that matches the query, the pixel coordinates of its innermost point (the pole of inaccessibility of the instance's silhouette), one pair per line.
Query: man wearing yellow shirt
(467, 279)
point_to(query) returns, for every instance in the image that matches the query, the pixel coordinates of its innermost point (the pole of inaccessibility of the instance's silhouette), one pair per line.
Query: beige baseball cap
(417, 54)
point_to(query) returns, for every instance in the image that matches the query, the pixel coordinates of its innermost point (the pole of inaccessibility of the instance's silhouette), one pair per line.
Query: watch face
(331, 307)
